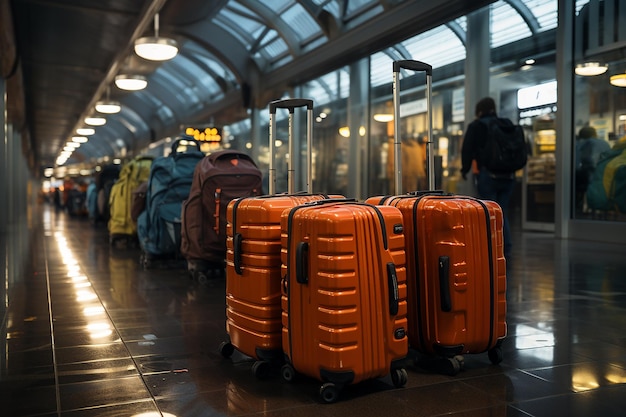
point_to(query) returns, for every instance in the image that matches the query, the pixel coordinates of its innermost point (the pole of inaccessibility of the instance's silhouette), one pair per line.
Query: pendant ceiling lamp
(618, 80)
(95, 121)
(156, 48)
(131, 82)
(590, 69)
(86, 131)
(108, 106)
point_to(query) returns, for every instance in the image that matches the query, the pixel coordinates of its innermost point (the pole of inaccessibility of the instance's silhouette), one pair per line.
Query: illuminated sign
(536, 96)
(209, 134)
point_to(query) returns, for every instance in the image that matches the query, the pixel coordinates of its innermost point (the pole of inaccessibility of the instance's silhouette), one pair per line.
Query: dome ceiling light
(95, 121)
(618, 80)
(131, 82)
(108, 106)
(589, 69)
(156, 48)
(85, 131)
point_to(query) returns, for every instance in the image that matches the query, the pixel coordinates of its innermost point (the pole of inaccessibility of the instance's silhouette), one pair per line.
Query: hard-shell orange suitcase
(253, 264)
(456, 270)
(456, 275)
(344, 294)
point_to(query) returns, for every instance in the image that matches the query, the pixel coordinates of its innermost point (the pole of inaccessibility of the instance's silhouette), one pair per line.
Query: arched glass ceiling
(240, 127)
(508, 26)
(273, 33)
(330, 87)
(262, 42)
(511, 21)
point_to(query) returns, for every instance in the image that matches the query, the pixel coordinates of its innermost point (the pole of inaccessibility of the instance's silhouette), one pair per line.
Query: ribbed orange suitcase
(253, 277)
(344, 294)
(456, 270)
(253, 265)
(456, 275)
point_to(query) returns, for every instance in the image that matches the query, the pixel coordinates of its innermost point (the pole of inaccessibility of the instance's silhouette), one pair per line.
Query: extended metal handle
(291, 104)
(416, 66)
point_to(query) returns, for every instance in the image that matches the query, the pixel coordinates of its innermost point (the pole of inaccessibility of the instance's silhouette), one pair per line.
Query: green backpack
(607, 189)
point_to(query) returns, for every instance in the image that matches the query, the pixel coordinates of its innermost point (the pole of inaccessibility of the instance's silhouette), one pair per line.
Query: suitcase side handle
(302, 264)
(237, 240)
(412, 65)
(444, 283)
(392, 282)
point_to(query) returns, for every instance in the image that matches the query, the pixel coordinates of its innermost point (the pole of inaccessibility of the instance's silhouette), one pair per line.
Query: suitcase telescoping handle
(291, 104)
(415, 66)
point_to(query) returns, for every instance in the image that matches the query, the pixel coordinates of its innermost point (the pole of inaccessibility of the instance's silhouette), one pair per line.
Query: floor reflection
(87, 331)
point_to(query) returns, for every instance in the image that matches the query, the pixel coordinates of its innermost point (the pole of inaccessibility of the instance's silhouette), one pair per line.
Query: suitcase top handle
(413, 65)
(290, 104)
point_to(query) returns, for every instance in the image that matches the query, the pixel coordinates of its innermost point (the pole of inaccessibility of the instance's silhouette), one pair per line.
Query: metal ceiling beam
(397, 24)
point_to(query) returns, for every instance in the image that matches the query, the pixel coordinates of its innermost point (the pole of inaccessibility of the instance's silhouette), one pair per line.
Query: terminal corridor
(88, 332)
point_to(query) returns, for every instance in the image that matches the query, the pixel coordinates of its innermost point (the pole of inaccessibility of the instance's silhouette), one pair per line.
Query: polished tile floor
(87, 332)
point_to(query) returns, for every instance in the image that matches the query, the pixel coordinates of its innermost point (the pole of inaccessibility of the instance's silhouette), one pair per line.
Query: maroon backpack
(218, 178)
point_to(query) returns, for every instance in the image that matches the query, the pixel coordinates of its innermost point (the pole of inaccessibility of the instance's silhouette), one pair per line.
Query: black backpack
(505, 148)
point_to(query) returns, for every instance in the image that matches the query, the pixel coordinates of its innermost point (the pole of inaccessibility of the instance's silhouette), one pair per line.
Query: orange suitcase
(344, 294)
(455, 262)
(456, 275)
(253, 266)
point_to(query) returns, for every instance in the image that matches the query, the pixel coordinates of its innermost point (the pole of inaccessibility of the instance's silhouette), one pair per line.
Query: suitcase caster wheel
(495, 355)
(261, 369)
(461, 360)
(452, 366)
(287, 372)
(329, 392)
(227, 349)
(201, 277)
(399, 377)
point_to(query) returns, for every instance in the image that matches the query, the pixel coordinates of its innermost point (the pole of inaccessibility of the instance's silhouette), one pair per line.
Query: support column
(564, 125)
(4, 142)
(477, 60)
(358, 119)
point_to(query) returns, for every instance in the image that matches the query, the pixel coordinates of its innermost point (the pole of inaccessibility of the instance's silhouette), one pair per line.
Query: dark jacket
(473, 142)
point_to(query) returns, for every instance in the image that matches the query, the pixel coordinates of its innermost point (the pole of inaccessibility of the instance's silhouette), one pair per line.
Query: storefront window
(599, 162)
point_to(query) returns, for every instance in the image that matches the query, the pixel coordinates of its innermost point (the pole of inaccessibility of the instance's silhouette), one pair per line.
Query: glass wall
(599, 122)
(522, 80)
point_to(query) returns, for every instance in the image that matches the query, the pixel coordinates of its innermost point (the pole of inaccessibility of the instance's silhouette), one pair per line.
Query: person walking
(494, 185)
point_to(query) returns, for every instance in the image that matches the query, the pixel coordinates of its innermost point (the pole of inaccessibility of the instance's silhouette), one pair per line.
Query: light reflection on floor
(88, 332)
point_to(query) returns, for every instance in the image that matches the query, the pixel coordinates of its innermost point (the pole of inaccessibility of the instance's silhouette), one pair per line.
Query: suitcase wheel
(452, 366)
(399, 377)
(261, 369)
(495, 355)
(200, 276)
(287, 372)
(461, 360)
(329, 392)
(227, 349)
